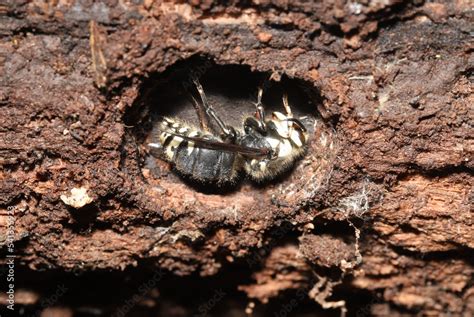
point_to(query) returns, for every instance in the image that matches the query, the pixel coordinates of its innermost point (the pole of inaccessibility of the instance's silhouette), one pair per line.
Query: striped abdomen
(196, 162)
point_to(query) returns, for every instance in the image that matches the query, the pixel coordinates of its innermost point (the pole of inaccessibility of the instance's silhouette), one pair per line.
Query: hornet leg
(260, 112)
(289, 114)
(201, 113)
(229, 132)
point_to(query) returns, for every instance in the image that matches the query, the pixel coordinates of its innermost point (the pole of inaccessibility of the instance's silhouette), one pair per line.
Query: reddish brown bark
(378, 213)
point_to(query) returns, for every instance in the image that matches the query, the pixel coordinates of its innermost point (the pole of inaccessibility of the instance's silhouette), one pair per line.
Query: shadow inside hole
(232, 91)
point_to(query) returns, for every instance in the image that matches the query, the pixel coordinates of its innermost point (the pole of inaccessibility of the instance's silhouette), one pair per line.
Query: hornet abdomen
(203, 164)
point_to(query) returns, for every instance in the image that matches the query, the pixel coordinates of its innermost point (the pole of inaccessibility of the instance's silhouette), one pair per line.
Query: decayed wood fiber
(380, 208)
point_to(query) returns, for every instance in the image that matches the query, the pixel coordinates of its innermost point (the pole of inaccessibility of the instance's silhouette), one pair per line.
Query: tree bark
(376, 219)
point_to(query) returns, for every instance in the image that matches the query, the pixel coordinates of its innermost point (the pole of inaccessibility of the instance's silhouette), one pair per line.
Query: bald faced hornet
(264, 149)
